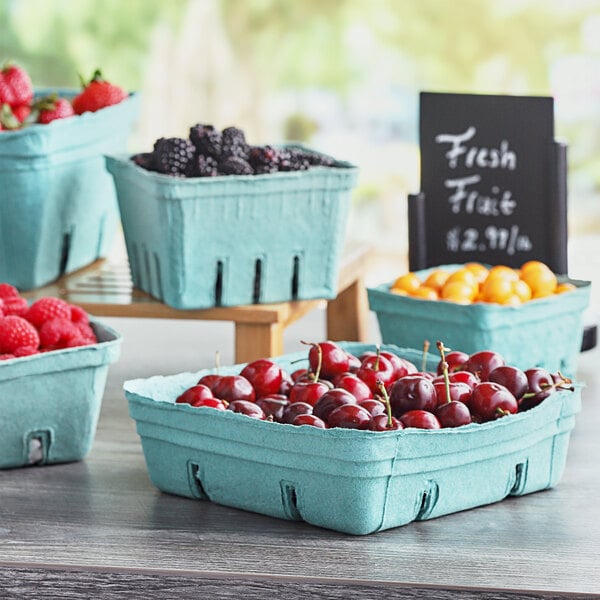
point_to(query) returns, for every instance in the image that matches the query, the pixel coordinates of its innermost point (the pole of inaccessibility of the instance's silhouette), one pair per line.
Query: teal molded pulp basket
(231, 240)
(351, 481)
(546, 332)
(50, 402)
(58, 207)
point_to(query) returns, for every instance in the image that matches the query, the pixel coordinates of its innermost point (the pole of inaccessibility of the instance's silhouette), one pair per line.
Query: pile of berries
(48, 324)
(208, 152)
(475, 282)
(19, 108)
(378, 391)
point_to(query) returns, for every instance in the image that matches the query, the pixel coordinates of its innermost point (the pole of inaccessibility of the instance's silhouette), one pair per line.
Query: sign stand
(493, 185)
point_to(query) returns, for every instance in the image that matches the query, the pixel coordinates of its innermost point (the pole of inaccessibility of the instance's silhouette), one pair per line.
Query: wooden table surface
(99, 529)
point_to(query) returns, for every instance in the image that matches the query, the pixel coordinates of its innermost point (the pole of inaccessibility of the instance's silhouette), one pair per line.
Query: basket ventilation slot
(219, 284)
(64, 252)
(295, 277)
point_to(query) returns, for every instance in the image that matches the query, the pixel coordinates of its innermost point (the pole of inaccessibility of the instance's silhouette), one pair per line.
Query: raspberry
(8, 291)
(15, 333)
(15, 306)
(47, 308)
(58, 333)
(86, 333)
(26, 351)
(7, 356)
(78, 315)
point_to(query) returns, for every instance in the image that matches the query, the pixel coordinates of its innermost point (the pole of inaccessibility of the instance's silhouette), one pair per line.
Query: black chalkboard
(493, 182)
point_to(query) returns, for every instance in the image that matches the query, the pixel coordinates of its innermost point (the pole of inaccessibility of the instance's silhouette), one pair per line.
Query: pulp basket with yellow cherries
(543, 331)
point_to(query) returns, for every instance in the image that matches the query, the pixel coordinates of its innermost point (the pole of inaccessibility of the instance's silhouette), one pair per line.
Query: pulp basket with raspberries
(53, 366)
(212, 220)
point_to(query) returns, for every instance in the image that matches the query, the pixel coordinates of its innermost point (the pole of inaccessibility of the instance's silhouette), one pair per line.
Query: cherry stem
(425, 351)
(217, 361)
(388, 406)
(315, 375)
(444, 365)
(376, 365)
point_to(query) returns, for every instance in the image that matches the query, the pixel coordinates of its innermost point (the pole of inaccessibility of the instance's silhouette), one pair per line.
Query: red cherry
(209, 380)
(353, 363)
(462, 377)
(306, 419)
(334, 359)
(483, 363)
(422, 419)
(264, 375)
(349, 416)
(538, 379)
(375, 407)
(410, 393)
(376, 368)
(455, 359)
(330, 400)
(286, 383)
(233, 387)
(273, 405)
(292, 410)
(512, 378)
(356, 386)
(402, 367)
(299, 374)
(380, 422)
(248, 408)
(194, 394)
(453, 414)
(491, 401)
(308, 391)
(459, 392)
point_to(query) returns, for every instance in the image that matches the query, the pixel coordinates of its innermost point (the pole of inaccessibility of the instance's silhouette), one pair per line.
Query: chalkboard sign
(493, 182)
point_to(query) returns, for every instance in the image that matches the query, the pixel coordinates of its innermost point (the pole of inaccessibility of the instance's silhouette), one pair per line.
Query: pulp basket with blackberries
(211, 220)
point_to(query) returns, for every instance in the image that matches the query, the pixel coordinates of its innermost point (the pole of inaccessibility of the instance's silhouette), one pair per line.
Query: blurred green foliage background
(342, 75)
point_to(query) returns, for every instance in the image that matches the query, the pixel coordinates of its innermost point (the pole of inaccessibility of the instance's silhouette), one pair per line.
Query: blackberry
(172, 155)
(206, 139)
(233, 143)
(202, 166)
(292, 159)
(234, 165)
(263, 159)
(317, 160)
(144, 160)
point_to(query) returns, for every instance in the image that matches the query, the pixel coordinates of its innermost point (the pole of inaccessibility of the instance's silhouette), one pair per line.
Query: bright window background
(341, 75)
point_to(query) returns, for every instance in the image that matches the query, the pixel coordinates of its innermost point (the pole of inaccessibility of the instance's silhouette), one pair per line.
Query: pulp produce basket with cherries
(530, 315)
(58, 208)
(354, 437)
(53, 366)
(211, 220)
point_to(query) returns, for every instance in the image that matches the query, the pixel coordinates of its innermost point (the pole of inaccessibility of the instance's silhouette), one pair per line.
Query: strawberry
(97, 94)
(16, 333)
(52, 108)
(21, 112)
(8, 119)
(15, 86)
(47, 308)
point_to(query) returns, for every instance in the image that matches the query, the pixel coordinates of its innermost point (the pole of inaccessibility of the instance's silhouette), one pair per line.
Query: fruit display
(380, 392)
(529, 316)
(20, 108)
(48, 324)
(53, 368)
(232, 240)
(350, 452)
(475, 282)
(59, 209)
(208, 152)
